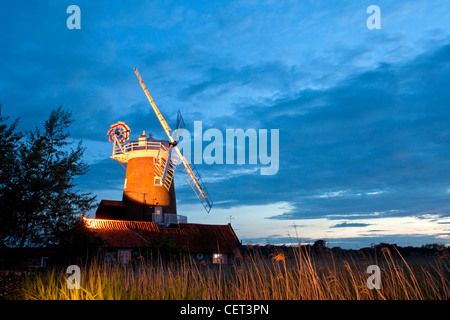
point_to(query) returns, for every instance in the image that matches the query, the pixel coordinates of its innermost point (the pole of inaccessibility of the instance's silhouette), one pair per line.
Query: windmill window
(219, 258)
(124, 256)
(158, 181)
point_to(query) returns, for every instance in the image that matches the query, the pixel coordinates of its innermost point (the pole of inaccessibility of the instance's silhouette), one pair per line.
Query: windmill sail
(177, 133)
(180, 121)
(193, 177)
(198, 185)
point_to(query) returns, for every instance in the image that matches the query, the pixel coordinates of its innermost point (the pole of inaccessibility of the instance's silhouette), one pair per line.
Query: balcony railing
(136, 145)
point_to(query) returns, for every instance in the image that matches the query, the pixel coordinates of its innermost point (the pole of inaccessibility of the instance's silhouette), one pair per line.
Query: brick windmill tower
(149, 193)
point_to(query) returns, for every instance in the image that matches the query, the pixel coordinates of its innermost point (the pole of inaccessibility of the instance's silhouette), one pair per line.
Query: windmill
(149, 192)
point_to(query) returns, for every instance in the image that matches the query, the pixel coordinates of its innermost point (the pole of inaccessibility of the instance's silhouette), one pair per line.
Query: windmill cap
(150, 136)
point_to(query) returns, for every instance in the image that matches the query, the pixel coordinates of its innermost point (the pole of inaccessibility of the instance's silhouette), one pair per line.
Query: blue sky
(363, 114)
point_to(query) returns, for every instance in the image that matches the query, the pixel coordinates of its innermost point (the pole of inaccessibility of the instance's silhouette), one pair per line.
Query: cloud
(351, 225)
(375, 145)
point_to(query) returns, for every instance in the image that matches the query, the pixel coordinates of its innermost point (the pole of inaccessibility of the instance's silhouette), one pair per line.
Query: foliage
(434, 246)
(38, 199)
(164, 248)
(9, 174)
(78, 244)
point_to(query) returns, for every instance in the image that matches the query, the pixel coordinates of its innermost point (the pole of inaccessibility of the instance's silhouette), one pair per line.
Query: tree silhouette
(9, 174)
(38, 194)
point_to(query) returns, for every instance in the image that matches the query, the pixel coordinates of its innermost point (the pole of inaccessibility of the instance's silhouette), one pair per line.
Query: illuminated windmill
(149, 192)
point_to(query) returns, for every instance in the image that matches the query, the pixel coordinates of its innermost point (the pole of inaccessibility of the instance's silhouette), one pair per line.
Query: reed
(301, 275)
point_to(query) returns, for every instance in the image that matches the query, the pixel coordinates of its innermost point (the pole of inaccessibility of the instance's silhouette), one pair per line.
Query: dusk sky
(363, 114)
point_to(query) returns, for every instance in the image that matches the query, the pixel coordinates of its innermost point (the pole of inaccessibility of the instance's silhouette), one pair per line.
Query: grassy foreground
(299, 275)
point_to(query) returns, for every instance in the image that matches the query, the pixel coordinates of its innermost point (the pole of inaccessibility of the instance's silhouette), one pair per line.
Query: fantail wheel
(119, 131)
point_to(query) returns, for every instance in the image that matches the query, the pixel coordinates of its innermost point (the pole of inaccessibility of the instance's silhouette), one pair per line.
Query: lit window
(219, 258)
(124, 256)
(157, 181)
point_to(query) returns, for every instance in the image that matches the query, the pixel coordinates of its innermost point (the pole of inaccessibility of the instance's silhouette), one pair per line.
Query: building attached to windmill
(147, 212)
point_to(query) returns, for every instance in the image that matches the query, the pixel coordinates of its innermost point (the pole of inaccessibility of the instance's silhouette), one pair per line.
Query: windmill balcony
(120, 152)
(139, 145)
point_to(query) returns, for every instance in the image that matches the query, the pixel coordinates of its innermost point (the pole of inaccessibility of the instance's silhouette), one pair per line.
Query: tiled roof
(105, 224)
(194, 237)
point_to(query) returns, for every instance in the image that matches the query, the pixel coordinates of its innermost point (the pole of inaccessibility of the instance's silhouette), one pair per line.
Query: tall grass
(300, 275)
